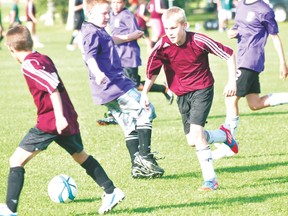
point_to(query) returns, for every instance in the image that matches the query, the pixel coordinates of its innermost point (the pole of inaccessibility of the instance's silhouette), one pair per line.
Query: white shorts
(224, 14)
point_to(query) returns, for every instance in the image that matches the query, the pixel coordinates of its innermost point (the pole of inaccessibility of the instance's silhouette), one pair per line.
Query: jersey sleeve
(40, 76)
(90, 42)
(270, 23)
(154, 63)
(212, 46)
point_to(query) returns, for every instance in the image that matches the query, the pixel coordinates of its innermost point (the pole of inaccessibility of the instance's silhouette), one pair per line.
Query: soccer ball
(62, 189)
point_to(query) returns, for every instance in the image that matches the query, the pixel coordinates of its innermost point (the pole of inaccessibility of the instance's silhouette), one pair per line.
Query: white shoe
(5, 211)
(221, 151)
(70, 47)
(109, 201)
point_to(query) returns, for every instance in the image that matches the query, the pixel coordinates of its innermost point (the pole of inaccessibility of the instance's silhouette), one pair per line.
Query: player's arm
(61, 122)
(230, 88)
(93, 66)
(144, 101)
(119, 39)
(279, 48)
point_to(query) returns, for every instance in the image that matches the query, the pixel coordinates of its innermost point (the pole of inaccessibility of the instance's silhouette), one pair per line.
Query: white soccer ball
(62, 189)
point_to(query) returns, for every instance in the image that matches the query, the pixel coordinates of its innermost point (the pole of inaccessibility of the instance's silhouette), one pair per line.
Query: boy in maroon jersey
(184, 56)
(56, 121)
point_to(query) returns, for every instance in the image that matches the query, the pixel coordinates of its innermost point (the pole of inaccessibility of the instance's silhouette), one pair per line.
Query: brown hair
(19, 38)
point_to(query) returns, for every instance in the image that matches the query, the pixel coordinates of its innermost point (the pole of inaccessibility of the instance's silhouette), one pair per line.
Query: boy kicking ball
(56, 121)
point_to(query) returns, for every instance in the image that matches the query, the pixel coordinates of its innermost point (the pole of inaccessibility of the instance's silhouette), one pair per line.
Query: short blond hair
(176, 13)
(19, 38)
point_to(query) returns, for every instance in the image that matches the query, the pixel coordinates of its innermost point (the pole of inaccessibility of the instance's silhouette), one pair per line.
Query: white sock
(215, 136)
(276, 99)
(233, 123)
(205, 159)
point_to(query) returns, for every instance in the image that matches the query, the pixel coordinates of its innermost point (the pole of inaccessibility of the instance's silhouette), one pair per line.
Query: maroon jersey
(42, 79)
(186, 66)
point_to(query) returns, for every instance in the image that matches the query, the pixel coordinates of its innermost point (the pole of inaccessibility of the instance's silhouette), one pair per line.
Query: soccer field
(254, 182)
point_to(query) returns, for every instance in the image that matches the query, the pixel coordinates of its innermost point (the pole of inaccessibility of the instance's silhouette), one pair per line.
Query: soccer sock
(215, 136)
(205, 159)
(132, 144)
(276, 99)
(97, 173)
(158, 88)
(233, 123)
(15, 185)
(144, 134)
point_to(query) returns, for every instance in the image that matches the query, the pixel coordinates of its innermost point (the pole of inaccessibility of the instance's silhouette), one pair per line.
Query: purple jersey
(254, 23)
(98, 44)
(42, 79)
(122, 24)
(186, 66)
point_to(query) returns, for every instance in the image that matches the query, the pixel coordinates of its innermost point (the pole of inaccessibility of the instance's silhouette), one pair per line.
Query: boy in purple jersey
(111, 88)
(254, 22)
(56, 121)
(184, 56)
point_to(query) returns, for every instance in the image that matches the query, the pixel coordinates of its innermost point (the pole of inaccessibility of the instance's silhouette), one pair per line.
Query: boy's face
(117, 6)
(100, 14)
(175, 31)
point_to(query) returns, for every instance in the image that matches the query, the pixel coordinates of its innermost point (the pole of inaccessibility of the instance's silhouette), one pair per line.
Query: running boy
(56, 121)
(111, 88)
(185, 59)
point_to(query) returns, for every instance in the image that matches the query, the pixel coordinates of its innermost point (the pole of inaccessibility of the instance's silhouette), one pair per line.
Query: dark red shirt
(186, 66)
(42, 79)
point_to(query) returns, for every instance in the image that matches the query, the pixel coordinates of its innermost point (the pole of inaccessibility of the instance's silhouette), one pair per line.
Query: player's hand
(230, 89)
(61, 124)
(101, 78)
(283, 71)
(144, 101)
(232, 33)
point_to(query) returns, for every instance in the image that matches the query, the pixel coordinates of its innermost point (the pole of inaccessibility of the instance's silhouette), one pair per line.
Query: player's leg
(35, 141)
(74, 146)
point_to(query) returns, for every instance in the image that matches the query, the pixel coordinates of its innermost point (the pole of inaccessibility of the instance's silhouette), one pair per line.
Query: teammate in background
(254, 22)
(133, 5)
(78, 20)
(184, 56)
(123, 22)
(14, 15)
(56, 121)
(156, 9)
(31, 23)
(111, 88)
(1, 27)
(142, 19)
(224, 8)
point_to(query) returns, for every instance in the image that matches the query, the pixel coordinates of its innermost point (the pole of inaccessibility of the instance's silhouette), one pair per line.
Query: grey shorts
(247, 82)
(195, 106)
(128, 112)
(37, 139)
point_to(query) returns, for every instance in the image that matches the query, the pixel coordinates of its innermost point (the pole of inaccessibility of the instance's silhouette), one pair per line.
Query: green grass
(252, 183)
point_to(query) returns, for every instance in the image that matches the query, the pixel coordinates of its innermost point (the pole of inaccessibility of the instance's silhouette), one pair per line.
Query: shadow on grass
(86, 200)
(212, 203)
(249, 168)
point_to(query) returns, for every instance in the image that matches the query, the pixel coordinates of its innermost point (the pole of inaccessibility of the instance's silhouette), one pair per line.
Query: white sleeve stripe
(47, 87)
(154, 51)
(52, 80)
(213, 46)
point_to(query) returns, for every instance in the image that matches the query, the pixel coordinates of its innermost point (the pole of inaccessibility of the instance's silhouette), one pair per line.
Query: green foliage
(61, 7)
(254, 182)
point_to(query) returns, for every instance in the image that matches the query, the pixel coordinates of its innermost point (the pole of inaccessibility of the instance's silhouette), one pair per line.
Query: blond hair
(176, 13)
(19, 38)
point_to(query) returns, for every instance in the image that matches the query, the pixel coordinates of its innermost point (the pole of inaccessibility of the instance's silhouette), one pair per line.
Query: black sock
(15, 185)
(158, 88)
(132, 144)
(97, 173)
(144, 134)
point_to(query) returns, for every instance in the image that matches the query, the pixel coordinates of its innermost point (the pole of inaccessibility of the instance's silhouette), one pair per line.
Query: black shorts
(132, 73)
(195, 106)
(36, 140)
(247, 82)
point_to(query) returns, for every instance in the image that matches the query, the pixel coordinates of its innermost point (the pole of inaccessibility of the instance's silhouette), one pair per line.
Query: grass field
(255, 182)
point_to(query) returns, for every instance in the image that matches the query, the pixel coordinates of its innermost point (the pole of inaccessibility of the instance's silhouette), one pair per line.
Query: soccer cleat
(209, 185)
(149, 166)
(222, 150)
(230, 141)
(109, 201)
(5, 211)
(108, 120)
(168, 94)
